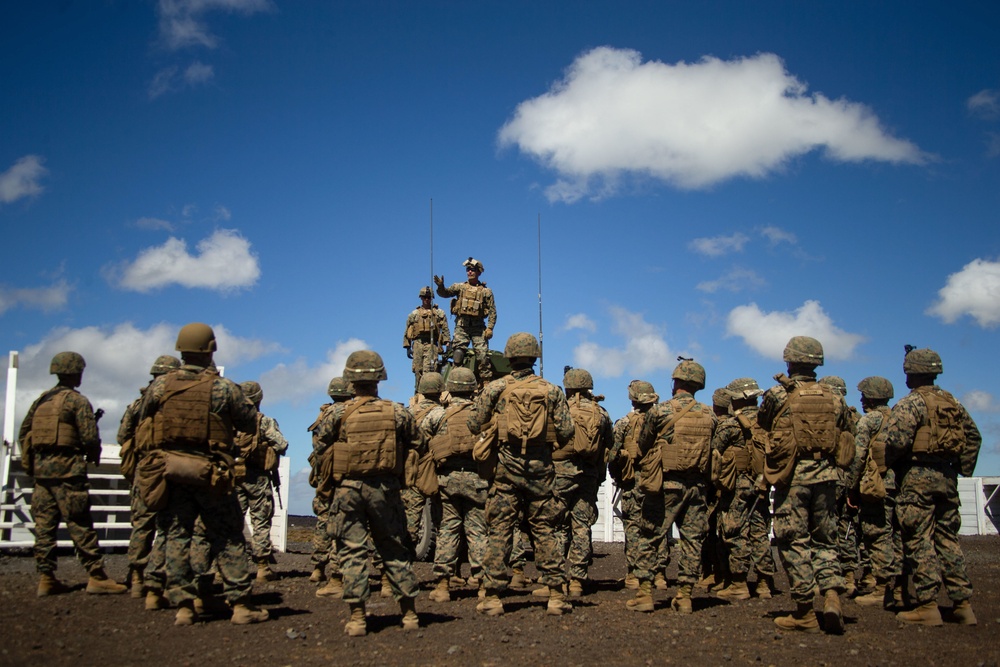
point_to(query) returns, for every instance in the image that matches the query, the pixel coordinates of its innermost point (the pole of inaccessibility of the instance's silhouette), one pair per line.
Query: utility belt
(531, 451)
(469, 321)
(458, 464)
(814, 455)
(423, 338)
(55, 450)
(932, 461)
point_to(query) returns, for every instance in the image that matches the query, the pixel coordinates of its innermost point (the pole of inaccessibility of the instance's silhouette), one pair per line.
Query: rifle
(275, 478)
(94, 455)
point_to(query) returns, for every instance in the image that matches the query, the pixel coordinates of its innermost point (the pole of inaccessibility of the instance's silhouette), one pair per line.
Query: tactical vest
(368, 440)
(472, 301)
(943, 433)
(424, 324)
(587, 438)
(253, 451)
(876, 446)
(632, 431)
(455, 439)
(751, 457)
(809, 418)
(524, 421)
(185, 419)
(48, 428)
(686, 440)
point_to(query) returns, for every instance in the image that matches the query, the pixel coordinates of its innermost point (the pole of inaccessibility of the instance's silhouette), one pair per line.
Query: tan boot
(868, 582)
(475, 581)
(765, 586)
(265, 573)
(643, 600)
(334, 588)
(356, 625)
(558, 605)
(833, 615)
(542, 592)
(926, 614)
(631, 582)
(386, 591)
(961, 614)
(155, 600)
(317, 575)
(877, 596)
(803, 619)
(186, 614)
(440, 592)
(100, 584)
(575, 588)
(517, 579)
(660, 582)
(491, 605)
(707, 581)
(408, 606)
(737, 590)
(245, 614)
(456, 582)
(49, 585)
(682, 599)
(135, 584)
(850, 588)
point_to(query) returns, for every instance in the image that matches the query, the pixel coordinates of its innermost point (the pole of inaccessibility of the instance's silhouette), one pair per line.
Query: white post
(8, 425)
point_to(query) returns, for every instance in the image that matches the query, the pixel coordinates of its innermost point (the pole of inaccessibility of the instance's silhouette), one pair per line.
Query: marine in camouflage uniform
(171, 401)
(463, 491)
(140, 544)
(369, 439)
(805, 503)
(63, 439)
(680, 430)
(879, 526)
(525, 477)
(744, 503)
(426, 335)
(473, 303)
(429, 397)
(580, 470)
(261, 451)
(930, 441)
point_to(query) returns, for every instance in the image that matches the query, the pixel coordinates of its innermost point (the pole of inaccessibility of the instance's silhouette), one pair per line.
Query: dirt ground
(77, 629)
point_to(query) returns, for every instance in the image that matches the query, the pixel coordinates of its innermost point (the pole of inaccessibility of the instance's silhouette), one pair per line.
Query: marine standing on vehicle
(472, 304)
(426, 336)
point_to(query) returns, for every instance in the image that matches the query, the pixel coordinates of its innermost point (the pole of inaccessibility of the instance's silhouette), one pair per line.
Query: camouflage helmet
(252, 391)
(164, 364)
(875, 387)
(364, 365)
(836, 383)
(473, 264)
(196, 337)
(339, 388)
(722, 398)
(431, 383)
(67, 363)
(461, 380)
(924, 361)
(690, 371)
(640, 391)
(577, 378)
(743, 388)
(426, 291)
(803, 350)
(522, 344)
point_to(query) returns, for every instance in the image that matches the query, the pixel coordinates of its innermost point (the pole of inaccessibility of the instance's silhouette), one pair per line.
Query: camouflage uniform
(426, 334)
(413, 499)
(471, 327)
(254, 491)
(524, 483)
(61, 489)
(325, 547)
(140, 543)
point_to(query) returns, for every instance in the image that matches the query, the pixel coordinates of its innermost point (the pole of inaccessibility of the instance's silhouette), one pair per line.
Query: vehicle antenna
(541, 340)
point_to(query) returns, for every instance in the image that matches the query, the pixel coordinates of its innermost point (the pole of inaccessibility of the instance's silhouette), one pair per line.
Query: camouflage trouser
(324, 546)
(744, 522)
(255, 496)
(223, 523)
(69, 500)
(630, 504)
(463, 511)
(425, 359)
(714, 551)
(155, 577)
(371, 508)
(805, 531)
(880, 534)
(471, 328)
(522, 542)
(413, 505)
(848, 538)
(523, 486)
(929, 520)
(578, 493)
(683, 503)
(140, 543)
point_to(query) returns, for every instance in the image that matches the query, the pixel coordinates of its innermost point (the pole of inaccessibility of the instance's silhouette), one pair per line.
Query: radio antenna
(541, 339)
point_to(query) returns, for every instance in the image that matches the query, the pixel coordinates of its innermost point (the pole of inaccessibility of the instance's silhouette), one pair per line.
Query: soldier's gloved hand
(409, 352)
(488, 334)
(439, 281)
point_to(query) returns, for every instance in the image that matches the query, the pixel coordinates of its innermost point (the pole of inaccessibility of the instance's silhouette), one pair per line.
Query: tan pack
(471, 301)
(587, 419)
(47, 427)
(484, 450)
(150, 481)
(524, 420)
(368, 440)
(184, 418)
(943, 434)
(686, 440)
(457, 439)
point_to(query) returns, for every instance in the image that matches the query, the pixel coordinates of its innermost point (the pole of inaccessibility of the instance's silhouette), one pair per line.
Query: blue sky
(711, 178)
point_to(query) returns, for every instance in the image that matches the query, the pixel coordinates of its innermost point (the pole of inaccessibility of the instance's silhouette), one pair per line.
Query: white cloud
(42, 298)
(687, 124)
(221, 213)
(22, 179)
(735, 280)
(716, 246)
(298, 382)
(776, 235)
(118, 362)
(198, 73)
(973, 291)
(580, 321)
(644, 349)
(984, 104)
(182, 22)
(768, 333)
(223, 261)
(171, 79)
(154, 224)
(981, 401)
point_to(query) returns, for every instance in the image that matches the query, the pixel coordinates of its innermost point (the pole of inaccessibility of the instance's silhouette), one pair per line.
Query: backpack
(588, 420)
(525, 417)
(944, 433)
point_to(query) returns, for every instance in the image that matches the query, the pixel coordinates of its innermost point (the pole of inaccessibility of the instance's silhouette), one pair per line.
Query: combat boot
(765, 586)
(868, 582)
(264, 572)
(707, 581)
(833, 615)
(386, 591)
(575, 588)
(631, 582)
(245, 613)
(155, 600)
(475, 581)
(803, 619)
(643, 600)
(356, 625)
(961, 613)
(877, 596)
(49, 585)
(100, 584)
(542, 592)
(660, 581)
(558, 605)
(737, 590)
(334, 588)
(517, 579)
(317, 575)
(850, 588)
(186, 614)
(926, 614)
(456, 582)
(135, 584)
(491, 604)
(408, 606)
(440, 592)
(682, 599)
